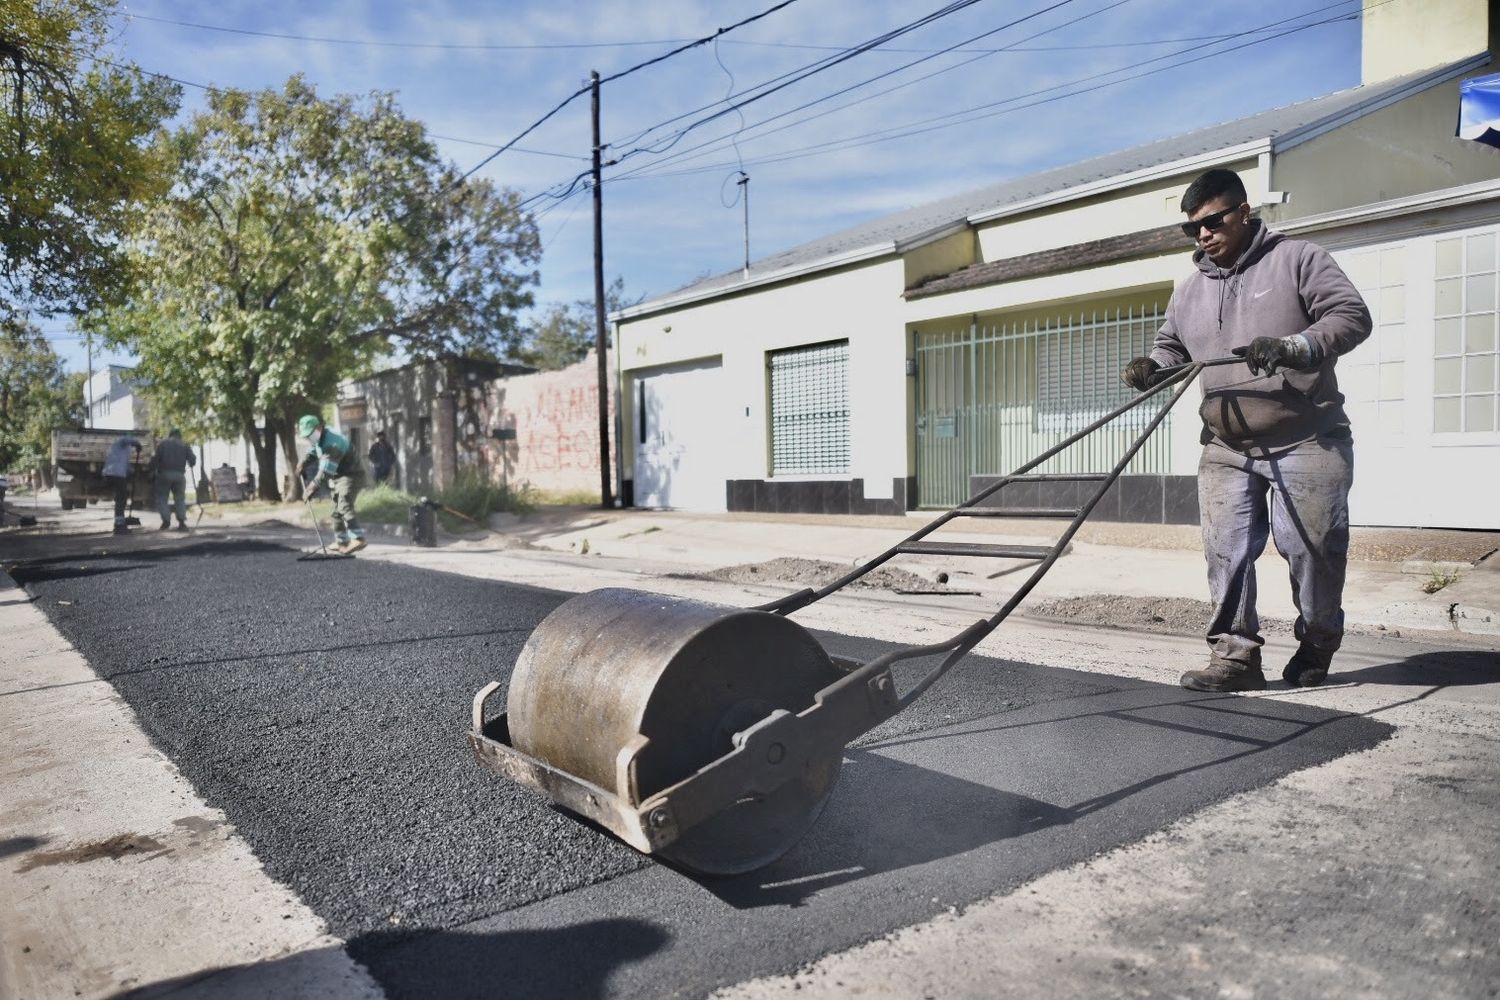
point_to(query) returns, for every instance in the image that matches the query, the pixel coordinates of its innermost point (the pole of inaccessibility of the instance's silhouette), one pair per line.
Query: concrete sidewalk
(1388, 570)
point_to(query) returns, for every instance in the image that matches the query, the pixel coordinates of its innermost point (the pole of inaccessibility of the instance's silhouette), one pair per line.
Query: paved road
(323, 706)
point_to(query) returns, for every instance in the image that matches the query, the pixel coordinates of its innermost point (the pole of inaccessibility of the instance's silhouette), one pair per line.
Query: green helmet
(307, 425)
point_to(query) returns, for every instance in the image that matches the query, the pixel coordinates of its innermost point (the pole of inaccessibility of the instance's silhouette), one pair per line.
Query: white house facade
(903, 363)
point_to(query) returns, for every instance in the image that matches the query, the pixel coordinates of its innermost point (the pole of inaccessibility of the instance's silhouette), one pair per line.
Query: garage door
(677, 449)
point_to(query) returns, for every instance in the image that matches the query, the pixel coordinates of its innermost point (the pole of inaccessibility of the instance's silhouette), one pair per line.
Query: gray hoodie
(1277, 288)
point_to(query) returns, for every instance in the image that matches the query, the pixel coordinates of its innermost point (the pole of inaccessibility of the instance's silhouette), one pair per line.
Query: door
(678, 415)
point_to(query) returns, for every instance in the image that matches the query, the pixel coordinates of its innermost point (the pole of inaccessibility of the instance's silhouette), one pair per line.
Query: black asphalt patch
(324, 706)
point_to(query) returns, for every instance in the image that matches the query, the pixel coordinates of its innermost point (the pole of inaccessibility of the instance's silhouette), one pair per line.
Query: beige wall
(1404, 36)
(1408, 148)
(861, 303)
(942, 256)
(1132, 210)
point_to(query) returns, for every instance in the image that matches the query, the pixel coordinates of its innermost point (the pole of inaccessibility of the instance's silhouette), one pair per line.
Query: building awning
(1479, 109)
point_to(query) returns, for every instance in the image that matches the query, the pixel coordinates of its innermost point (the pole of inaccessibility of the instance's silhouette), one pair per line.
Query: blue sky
(478, 73)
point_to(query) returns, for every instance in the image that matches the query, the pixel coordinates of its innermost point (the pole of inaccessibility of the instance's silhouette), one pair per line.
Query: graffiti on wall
(550, 428)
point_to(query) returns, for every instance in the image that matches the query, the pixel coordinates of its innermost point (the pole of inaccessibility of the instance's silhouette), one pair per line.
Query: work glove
(1138, 373)
(315, 484)
(1266, 354)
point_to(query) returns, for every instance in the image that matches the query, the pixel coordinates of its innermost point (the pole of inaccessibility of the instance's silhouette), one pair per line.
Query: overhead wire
(778, 83)
(967, 115)
(688, 153)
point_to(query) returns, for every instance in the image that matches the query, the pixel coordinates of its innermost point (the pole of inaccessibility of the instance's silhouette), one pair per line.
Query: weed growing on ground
(1438, 579)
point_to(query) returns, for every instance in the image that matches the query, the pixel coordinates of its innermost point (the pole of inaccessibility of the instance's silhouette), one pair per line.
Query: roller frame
(841, 712)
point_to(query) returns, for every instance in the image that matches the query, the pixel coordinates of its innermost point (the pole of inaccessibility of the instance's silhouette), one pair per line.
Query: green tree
(36, 397)
(303, 239)
(77, 156)
(566, 330)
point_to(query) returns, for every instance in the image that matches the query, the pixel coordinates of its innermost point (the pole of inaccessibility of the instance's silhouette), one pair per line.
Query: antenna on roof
(744, 183)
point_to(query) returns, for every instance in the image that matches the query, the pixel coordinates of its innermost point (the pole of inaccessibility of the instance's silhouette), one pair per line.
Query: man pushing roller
(1278, 456)
(339, 468)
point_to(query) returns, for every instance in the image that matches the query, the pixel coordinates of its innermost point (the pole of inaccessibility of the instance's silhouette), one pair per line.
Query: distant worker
(117, 475)
(1278, 455)
(382, 458)
(172, 460)
(340, 469)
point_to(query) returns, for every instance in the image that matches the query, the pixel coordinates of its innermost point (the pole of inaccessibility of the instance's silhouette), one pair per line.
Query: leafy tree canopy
(36, 396)
(303, 238)
(566, 332)
(77, 156)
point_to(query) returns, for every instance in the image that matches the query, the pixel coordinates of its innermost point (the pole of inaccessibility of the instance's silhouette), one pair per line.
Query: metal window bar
(988, 395)
(810, 410)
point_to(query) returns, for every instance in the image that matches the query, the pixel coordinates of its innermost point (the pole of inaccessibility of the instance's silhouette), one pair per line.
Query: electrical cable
(687, 153)
(131, 15)
(967, 115)
(777, 83)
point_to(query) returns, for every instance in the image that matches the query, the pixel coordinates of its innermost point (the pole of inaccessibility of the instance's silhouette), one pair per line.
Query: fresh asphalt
(323, 706)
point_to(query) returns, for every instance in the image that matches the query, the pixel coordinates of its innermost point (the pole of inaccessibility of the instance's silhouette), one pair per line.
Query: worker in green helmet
(339, 467)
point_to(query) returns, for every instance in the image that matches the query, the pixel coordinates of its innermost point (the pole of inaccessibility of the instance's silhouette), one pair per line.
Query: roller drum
(610, 666)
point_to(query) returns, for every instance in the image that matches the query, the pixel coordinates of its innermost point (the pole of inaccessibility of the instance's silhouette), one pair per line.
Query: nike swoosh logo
(1260, 293)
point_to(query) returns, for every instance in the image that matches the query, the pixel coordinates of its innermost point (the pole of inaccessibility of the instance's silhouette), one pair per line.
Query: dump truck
(78, 464)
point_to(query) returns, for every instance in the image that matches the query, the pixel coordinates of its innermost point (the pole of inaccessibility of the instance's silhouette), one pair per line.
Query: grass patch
(383, 504)
(565, 498)
(473, 498)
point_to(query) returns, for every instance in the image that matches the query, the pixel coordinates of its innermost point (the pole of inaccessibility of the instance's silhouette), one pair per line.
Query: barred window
(1078, 362)
(810, 409)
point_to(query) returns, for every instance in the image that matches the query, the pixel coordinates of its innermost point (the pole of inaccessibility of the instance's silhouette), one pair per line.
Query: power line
(625, 72)
(811, 70)
(967, 115)
(374, 43)
(800, 73)
(687, 153)
(514, 46)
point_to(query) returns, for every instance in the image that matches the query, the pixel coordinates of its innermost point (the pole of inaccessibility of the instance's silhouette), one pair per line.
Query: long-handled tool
(323, 553)
(712, 735)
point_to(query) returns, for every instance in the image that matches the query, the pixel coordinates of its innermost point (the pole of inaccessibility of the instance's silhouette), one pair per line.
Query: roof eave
(859, 256)
(1442, 74)
(1158, 171)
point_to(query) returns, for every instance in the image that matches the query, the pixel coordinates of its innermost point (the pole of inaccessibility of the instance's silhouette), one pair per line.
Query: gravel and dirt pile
(819, 573)
(1161, 614)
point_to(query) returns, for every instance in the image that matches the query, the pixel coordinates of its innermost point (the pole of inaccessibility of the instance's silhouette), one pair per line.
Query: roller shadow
(885, 815)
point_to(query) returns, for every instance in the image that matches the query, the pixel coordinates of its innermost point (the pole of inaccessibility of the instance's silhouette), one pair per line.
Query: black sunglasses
(1213, 222)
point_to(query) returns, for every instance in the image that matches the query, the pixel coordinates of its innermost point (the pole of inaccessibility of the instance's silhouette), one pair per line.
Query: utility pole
(88, 339)
(744, 183)
(606, 495)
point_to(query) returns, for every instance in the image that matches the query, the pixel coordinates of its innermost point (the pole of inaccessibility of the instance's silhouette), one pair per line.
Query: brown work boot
(1308, 666)
(352, 546)
(1224, 675)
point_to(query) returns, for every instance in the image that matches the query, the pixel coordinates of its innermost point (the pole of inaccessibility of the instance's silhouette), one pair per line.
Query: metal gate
(991, 397)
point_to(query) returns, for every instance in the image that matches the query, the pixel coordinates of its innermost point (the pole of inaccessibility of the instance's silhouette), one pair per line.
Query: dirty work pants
(171, 486)
(119, 485)
(344, 489)
(1300, 498)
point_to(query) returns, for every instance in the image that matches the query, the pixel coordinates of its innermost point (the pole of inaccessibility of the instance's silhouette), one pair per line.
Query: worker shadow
(574, 962)
(1085, 753)
(1436, 670)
